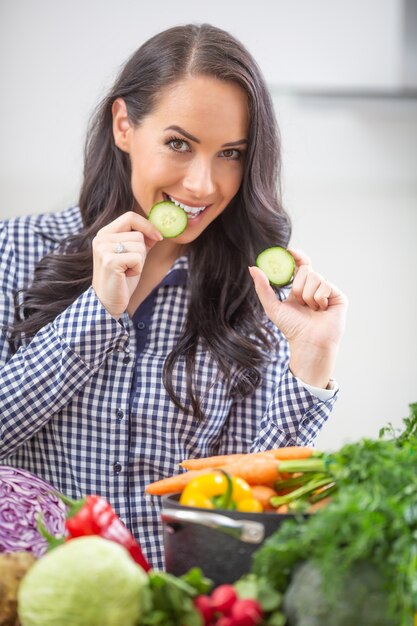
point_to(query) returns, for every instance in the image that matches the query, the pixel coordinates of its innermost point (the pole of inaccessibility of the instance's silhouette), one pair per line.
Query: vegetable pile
(369, 526)
(363, 535)
(354, 561)
(23, 497)
(271, 480)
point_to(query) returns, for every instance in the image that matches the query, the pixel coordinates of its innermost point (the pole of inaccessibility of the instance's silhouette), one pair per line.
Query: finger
(322, 295)
(266, 294)
(103, 247)
(138, 247)
(337, 297)
(312, 284)
(129, 263)
(299, 282)
(122, 237)
(132, 221)
(300, 257)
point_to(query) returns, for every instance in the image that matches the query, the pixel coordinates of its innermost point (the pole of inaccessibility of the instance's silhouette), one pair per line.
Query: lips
(191, 210)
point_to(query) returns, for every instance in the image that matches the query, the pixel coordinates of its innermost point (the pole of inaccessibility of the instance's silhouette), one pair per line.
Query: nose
(199, 178)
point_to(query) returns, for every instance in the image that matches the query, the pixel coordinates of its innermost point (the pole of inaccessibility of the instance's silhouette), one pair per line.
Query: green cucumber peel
(278, 264)
(171, 220)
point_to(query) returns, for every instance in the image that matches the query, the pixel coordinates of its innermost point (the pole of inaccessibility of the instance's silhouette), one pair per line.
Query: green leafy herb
(196, 579)
(372, 518)
(172, 598)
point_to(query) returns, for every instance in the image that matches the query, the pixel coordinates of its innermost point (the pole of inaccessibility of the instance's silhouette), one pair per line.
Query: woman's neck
(159, 260)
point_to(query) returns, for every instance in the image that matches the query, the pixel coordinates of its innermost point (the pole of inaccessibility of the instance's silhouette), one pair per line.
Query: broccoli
(360, 599)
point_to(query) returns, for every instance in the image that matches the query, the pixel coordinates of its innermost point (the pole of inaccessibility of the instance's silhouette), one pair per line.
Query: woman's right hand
(116, 275)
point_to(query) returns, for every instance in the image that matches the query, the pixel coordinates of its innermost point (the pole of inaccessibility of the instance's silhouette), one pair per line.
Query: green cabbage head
(88, 581)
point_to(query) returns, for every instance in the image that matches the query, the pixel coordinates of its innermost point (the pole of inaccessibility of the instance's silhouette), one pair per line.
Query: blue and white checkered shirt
(83, 405)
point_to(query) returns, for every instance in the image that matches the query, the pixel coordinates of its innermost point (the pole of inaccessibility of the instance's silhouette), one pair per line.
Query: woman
(127, 352)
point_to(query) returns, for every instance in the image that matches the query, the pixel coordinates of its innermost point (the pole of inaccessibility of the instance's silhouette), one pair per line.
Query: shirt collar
(178, 273)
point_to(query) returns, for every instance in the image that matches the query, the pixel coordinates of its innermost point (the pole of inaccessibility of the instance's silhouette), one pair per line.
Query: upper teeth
(193, 210)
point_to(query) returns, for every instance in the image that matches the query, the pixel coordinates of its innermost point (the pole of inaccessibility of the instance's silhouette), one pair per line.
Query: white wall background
(350, 163)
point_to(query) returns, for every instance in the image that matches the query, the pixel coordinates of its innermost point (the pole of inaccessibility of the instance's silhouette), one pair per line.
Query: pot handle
(245, 530)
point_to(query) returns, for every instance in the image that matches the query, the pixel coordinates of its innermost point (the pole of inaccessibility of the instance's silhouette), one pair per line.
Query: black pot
(220, 542)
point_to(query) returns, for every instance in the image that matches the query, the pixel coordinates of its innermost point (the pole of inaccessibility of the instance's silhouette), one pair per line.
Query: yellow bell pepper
(219, 490)
(249, 505)
(197, 499)
(212, 484)
(241, 490)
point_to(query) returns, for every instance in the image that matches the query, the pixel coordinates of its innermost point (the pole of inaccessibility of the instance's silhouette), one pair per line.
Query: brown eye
(178, 145)
(231, 154)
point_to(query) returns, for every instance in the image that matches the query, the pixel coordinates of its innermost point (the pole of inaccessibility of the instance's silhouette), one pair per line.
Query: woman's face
(190, 149)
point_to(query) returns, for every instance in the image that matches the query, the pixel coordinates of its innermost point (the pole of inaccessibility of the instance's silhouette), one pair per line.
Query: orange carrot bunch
(282, 480)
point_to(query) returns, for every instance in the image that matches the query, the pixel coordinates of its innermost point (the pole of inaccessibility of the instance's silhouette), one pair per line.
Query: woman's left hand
(312, 319)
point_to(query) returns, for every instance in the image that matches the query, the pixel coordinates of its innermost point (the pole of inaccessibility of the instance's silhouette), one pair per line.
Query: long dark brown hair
(224, 313)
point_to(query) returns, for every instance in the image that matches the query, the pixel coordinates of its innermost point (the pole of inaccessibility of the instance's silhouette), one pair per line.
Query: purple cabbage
(22, 497)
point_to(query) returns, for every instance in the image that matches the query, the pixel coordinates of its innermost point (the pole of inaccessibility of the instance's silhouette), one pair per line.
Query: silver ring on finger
(120, 248)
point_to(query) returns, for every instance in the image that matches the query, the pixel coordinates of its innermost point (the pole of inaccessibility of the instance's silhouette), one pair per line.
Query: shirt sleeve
(321, 394)
(282, 411)
(44, 375)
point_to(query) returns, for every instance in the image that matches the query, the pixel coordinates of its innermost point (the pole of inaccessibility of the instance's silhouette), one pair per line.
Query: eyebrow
(192, 138)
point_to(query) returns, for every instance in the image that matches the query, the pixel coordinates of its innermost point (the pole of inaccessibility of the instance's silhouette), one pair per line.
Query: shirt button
(126, 359)
(119, 414)
(117, 468)
(140, 325)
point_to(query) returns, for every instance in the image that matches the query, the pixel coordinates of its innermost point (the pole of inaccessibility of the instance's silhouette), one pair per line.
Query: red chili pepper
(93, 515)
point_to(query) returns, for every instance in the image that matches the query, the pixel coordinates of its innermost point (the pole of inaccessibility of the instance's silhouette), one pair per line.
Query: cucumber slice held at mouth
(278, 264)
(171, 220)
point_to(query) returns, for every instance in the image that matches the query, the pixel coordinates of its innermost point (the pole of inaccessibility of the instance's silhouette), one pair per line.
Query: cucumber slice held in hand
(278, 264)
(170, 219)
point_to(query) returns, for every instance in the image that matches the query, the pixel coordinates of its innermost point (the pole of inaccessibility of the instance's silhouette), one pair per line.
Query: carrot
(264, 494)
(222, 459)
(173, 484)
(282, 509)
(259, 471)
(288, 453)
(256, 471)
(293, 452)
